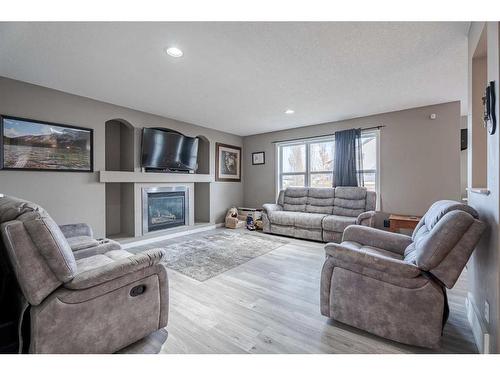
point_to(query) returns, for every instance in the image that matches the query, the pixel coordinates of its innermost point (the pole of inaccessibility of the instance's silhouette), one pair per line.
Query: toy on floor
(250, 222)
(234, 219)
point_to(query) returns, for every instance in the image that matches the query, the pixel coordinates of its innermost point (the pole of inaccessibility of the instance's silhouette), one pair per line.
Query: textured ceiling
(240, 77)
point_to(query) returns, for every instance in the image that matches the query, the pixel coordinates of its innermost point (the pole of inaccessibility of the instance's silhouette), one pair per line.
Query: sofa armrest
(268, 207)
(366, 218)
(111, 271)
(343, 256)
(76, 230)
(395, 242)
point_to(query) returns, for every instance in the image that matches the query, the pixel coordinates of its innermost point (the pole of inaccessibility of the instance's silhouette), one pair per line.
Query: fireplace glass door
(165, 210)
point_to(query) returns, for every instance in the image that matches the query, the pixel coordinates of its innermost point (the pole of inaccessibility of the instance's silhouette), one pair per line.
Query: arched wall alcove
(120, 146)
(203, 155)
(119, 156)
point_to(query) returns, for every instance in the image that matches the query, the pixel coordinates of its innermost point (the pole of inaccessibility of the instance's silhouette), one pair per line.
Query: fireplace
(164, 207)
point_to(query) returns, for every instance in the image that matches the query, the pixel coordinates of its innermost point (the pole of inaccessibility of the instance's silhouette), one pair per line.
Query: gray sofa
(76, 294)
(319, 214)
(394, 285)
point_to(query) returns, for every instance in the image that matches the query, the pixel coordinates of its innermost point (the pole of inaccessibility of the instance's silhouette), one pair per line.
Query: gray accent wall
(79, 197)
(419, 157)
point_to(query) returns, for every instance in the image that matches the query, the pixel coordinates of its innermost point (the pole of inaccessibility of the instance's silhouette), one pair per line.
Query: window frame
(308, 173)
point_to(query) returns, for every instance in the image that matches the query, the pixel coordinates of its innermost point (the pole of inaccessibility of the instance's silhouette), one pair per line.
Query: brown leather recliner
(98, 302)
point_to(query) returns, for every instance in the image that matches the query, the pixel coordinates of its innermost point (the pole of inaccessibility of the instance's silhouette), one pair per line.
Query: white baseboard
(145, 241)
(481, 335)
(219, 225)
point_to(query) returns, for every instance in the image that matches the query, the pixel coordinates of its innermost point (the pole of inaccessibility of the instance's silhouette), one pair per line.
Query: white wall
(484, 266)
(79, 197)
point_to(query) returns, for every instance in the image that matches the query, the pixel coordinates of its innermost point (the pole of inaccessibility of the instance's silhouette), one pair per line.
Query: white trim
(324, 138)
(378, 202)
(145, 241)
(481, 336)
(276, 171)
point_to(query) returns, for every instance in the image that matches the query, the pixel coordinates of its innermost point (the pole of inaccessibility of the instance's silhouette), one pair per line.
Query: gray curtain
(348, 158)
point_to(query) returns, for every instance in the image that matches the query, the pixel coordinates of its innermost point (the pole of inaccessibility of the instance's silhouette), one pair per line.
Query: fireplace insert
(164, 207)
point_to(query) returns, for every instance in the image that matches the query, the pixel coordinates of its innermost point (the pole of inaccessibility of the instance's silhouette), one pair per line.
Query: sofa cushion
(296, 219)
(320, 200)
(282, 217)
(92, 262)
(335, 223)
(432, 246)
(441, 208)
(345, 207)
(350, 192)
(12, 208)
(349, 201)
(81, 242)
(352, 245)
(99, 260)
(296, 192)
(52, 244)
(309, 220)
(295, 199)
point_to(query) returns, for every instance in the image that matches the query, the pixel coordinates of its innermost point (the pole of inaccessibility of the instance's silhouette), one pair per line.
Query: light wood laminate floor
(271, 305)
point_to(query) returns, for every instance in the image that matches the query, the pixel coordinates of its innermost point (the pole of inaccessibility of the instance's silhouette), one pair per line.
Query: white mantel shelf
(131, 177)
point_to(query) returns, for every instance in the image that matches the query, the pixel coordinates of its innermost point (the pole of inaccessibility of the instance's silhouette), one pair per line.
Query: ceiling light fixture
(289, 111)
(174, 52)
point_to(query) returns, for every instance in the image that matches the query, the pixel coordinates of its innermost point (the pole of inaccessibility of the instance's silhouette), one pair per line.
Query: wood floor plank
(271, 305)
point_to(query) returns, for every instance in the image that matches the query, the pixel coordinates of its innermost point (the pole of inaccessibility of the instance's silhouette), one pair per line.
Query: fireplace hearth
(164, 208)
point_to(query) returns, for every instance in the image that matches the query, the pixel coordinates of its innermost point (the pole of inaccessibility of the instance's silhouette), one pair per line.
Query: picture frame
(34, 145)
(227, 163)
(258, 158)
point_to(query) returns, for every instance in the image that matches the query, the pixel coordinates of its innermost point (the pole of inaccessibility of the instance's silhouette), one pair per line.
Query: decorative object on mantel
(489, 116)
(33, 145)
(202, 257)
(227, 163)
(258, 158)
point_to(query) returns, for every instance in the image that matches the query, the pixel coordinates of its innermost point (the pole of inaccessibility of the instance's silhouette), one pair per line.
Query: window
(310, 162)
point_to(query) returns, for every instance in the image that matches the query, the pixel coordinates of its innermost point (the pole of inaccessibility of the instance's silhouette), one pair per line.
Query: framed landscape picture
(258, 158)
(43, 146)
(227, 163)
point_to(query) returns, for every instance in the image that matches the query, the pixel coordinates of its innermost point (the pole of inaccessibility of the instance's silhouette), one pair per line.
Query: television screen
(168, 149)
(36, 145)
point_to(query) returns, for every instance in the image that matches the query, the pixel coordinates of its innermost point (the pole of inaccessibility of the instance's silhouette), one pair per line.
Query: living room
(183, 187)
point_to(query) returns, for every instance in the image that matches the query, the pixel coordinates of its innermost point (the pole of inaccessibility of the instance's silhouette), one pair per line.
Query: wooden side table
(398, 222)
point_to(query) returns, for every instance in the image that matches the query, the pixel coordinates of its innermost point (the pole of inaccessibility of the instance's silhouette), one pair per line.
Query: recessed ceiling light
(174, 52)
(289, 111)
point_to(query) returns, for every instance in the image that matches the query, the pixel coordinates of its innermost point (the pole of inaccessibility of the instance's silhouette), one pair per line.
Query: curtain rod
(325, 135)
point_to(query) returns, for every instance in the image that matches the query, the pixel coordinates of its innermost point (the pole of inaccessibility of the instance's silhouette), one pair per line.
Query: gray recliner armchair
(394, 285)
(94, 298)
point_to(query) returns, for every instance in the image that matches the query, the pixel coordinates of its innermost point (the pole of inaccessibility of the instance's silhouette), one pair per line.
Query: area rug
(212, 254)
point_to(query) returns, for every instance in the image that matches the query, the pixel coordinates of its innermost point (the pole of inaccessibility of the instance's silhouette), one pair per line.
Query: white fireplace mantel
(144, 177)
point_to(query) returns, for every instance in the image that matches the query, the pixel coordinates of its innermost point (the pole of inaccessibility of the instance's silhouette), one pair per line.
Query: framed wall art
(227, 163)
(258, 158)
(44, 146)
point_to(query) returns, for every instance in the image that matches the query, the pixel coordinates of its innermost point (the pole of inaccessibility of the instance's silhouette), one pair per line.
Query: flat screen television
(168, 150)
